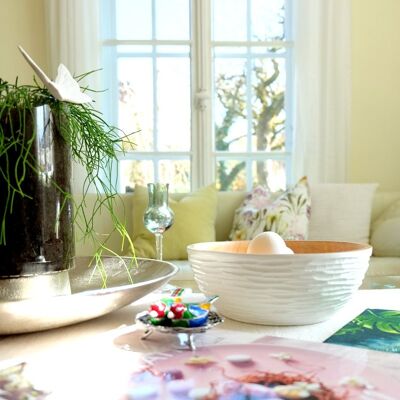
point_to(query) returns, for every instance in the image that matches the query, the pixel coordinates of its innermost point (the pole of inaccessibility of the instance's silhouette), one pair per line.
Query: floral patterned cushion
(286, 213)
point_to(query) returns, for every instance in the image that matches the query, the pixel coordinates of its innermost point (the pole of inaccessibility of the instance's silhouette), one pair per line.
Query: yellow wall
(22, 23)
(375, 141)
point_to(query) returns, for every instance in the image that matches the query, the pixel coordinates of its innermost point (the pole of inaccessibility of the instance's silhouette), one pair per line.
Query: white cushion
(341, 211)
(385, 234)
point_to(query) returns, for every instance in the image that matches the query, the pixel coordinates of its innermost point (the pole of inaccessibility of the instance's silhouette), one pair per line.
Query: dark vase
(39, 237)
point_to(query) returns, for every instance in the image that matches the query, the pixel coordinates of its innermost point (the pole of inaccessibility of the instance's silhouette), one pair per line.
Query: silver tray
(87, 299)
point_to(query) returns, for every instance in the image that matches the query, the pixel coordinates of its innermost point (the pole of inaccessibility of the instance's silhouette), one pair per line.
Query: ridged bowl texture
(284, 289)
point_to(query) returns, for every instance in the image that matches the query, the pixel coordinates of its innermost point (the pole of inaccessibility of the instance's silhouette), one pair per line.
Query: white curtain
(322, 34)
(74, 40)
(73, 35)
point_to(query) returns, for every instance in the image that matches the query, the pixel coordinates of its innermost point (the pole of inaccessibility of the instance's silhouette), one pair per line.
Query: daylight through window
(206, 86)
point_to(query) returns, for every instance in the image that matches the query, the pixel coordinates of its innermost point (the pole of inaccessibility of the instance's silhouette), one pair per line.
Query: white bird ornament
(64, 87)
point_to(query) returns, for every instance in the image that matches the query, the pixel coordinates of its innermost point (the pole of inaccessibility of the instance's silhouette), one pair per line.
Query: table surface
(106, 349)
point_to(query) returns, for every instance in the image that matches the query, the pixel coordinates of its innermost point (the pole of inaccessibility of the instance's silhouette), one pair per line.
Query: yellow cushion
(194, 222)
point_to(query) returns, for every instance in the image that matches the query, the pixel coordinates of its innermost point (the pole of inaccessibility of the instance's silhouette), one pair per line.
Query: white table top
(108, 347)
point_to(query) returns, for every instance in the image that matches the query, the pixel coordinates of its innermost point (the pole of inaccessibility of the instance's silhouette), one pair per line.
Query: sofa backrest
(228, 202)
(381, 202)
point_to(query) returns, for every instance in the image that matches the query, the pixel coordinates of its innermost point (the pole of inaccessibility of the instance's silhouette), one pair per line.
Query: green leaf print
(385, 321)
(351, 329)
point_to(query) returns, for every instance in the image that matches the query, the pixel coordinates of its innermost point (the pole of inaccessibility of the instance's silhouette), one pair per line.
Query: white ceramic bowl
(285, 289)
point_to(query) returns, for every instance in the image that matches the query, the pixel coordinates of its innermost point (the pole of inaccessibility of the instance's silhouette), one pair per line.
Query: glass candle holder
(158, 217)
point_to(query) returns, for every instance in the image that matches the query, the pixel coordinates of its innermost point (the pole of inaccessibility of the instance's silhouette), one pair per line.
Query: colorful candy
(173, 311)
(157, 310)
(199, 299)
(176, 311)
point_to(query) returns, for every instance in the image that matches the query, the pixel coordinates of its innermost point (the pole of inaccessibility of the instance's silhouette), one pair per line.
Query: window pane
(133, 19)
(135, 110)
(173, 101)
(230, 105)
(267, 19)
(172, 20)
(231, 175)
(229, 20)
(270, 173)
(176, 173)
(133, 173)
(268, 81)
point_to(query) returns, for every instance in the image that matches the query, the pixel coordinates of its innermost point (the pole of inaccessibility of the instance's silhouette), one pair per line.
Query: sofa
(384, 271)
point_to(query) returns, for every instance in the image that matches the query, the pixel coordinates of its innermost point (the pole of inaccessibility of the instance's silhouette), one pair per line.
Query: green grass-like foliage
(93, 143)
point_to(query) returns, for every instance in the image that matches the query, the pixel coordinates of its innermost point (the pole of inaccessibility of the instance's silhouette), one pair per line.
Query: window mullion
(151, 42)
(254, 43)
(249, 107)
(289, 95)
(110, 63)
(203, 163)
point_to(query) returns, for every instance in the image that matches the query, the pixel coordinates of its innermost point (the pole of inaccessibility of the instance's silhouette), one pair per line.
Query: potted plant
(42, 130)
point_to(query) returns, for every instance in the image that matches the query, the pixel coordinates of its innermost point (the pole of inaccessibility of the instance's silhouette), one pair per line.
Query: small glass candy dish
(187, 314)
(178, 315)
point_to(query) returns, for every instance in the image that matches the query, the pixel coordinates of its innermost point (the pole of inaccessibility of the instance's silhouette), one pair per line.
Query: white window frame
(202, 155)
